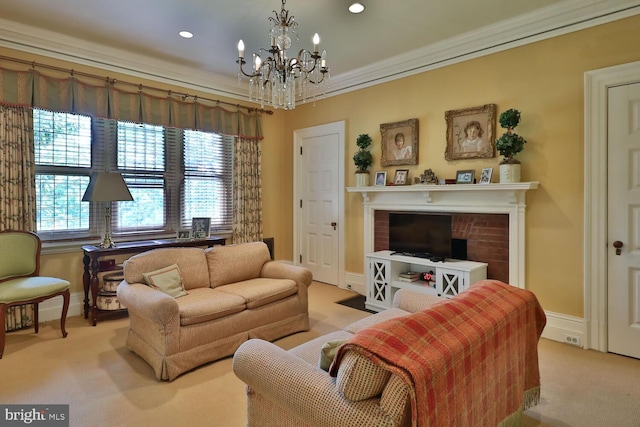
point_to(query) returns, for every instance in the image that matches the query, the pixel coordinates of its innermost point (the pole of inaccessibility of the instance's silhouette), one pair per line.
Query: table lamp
(107, 187)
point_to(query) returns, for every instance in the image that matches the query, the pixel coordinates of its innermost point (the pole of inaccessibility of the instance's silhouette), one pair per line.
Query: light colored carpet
(107, 385)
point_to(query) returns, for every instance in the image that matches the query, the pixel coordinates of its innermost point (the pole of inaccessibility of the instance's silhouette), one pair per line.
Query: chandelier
(279, 79)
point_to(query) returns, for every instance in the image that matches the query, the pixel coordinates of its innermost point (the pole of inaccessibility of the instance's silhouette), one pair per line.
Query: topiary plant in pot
(363, 159)
(508, 145)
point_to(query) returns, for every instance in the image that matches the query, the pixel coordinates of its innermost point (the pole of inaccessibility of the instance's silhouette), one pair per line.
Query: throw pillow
(328, 353)
(167, 280)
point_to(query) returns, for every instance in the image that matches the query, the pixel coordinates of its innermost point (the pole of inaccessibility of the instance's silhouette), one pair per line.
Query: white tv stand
(383, 272)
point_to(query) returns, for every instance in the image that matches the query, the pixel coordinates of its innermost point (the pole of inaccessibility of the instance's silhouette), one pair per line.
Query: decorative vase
(509, 173)
(362, 179)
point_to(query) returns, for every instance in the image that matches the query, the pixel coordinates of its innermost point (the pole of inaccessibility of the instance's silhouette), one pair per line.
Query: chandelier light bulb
(240, 49)
(316, 42)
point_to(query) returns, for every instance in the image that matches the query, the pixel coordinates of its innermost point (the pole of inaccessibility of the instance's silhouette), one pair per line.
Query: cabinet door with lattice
(378, 286)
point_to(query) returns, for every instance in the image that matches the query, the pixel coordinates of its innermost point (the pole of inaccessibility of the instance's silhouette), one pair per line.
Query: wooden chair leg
(65, 307)
(36, 322)
(3, 327)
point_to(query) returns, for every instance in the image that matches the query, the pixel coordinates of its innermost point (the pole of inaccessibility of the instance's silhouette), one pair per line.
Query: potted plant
(508, 145)
(363, 159)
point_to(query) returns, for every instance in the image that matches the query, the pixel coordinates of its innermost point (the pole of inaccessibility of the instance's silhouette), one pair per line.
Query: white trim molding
(459, 198)
(596, 86)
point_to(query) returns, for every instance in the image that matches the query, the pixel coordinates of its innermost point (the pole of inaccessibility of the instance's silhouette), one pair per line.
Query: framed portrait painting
(471, 133)
(399, 143)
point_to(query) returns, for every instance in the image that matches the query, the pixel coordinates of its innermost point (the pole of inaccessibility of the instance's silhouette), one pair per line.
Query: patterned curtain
(247, 191)
(17, 187)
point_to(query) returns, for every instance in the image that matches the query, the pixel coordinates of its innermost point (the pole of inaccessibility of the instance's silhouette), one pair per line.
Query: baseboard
(560, 327)
(50, 309)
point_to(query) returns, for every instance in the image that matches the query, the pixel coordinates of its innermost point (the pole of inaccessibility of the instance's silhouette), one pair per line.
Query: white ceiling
(389, 39)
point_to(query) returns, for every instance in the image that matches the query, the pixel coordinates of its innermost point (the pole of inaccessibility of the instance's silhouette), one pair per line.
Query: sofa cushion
(235, 263)
(191, 261)
(328, 353)
(167, 280)
(310, 350)
(259, 292)
(359, 378)
(205, 304)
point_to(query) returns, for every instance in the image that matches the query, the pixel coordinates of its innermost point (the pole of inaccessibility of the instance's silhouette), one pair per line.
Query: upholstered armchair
(20, 280)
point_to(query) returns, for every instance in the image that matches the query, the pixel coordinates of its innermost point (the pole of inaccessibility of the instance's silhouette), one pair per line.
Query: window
(173, 175)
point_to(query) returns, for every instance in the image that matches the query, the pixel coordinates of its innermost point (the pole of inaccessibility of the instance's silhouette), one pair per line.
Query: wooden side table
(92, 267)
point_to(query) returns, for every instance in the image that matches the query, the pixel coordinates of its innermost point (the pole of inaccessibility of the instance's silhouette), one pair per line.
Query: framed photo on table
(401, 177)
(485, 176)
(184, 235)
(200, 228)
(465, 176)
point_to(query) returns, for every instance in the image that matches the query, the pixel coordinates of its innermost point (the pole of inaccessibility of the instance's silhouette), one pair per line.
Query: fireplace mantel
(465, 198)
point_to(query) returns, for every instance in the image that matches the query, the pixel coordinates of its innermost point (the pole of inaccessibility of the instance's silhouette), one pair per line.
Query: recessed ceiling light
(185, 34)
(356, 8)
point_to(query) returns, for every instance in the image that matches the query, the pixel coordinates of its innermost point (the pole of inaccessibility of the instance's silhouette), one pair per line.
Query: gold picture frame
(401, 177)
(399, 143)
(471, 133)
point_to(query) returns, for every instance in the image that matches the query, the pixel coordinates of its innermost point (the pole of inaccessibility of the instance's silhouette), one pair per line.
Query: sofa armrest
(149, 303)
(414, 301)
(303, 390)
(279, 270)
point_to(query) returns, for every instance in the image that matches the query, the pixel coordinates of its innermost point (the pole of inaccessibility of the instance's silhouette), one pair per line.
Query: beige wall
(543, 80)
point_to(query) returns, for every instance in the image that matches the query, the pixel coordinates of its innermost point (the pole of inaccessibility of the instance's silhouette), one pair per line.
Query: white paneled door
(319, 189)
(623, 251)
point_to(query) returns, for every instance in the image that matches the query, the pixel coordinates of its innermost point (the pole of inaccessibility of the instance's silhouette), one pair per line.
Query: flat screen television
(420, 234)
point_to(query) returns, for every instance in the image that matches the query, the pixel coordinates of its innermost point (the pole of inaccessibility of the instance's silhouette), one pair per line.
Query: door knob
(618, 244)
(334, 225)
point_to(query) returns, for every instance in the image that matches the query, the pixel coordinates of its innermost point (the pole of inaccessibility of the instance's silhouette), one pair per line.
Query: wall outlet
(349, 286)
(572, 339)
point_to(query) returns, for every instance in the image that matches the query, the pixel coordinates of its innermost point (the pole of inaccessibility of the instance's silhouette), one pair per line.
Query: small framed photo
(200, 228)
(401, 177)
(381, 178)
(485, 176)
(184, 235)
(465, 176)
(471, 133)
(399, 143)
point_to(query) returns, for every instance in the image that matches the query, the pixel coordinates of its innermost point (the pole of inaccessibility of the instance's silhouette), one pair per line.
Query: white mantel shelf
(459, 198)
(511, 192)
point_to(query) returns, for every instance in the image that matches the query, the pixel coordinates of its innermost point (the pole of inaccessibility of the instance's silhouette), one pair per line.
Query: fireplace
(490, 217)
(486, 237)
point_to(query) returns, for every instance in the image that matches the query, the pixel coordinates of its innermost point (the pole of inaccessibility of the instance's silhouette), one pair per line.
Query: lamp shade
(106, 187)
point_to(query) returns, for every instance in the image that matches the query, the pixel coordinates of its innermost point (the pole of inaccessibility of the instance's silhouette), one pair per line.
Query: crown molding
(552, 21)
(549, 22)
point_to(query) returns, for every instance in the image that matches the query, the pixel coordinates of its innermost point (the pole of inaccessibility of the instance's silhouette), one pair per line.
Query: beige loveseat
(233, 293)
(476, 359)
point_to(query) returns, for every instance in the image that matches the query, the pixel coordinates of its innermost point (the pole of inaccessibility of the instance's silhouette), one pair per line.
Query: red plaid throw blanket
(469, 361)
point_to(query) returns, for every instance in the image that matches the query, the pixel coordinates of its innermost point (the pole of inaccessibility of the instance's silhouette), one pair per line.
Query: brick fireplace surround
(487, 237)
(491, 217)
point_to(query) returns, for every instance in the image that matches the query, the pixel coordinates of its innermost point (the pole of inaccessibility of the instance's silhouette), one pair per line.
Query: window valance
(72, 95)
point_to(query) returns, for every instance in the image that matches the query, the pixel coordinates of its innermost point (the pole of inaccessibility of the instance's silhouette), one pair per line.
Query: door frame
(597, 84)
(298, 136)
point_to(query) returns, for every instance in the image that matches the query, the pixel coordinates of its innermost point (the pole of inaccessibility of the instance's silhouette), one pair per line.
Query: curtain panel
(247, 192)
(17, 189)
(72, 95)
